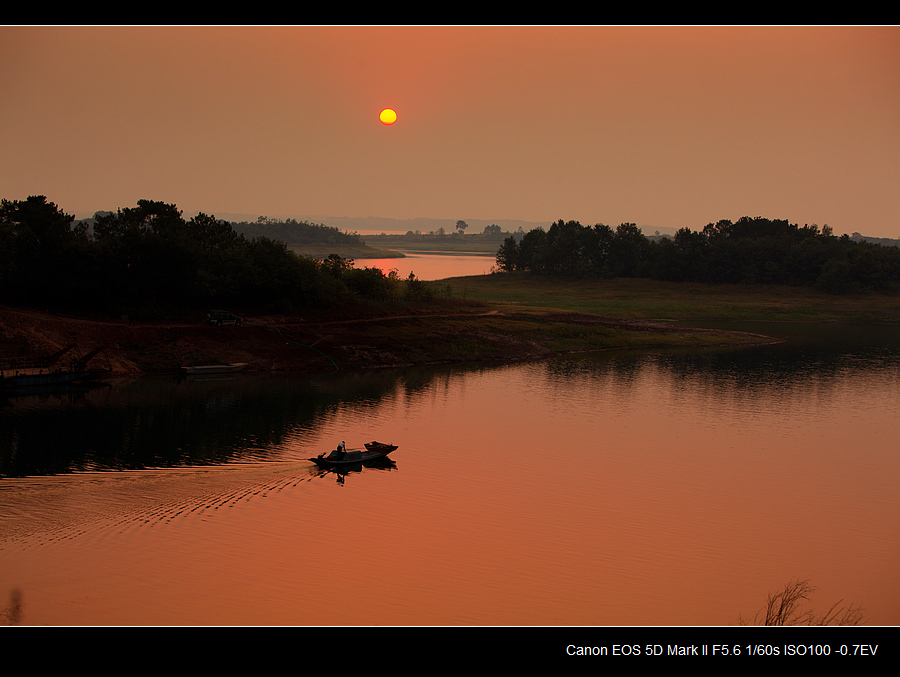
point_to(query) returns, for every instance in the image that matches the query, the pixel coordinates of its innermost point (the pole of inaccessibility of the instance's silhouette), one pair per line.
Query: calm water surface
(433, 266)
(639, 488)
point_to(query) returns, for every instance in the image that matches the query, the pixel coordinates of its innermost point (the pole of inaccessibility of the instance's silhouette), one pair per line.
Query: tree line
(753, 250)
(293, 232)
(148, 259)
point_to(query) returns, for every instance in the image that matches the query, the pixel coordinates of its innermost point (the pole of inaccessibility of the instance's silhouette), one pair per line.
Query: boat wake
(40, 511)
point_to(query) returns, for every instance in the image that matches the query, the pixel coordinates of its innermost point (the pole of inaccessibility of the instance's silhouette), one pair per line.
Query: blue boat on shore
(49, 371)
(40, 377)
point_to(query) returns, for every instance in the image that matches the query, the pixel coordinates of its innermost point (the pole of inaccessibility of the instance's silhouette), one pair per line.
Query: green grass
(506, 336)
(634, 299)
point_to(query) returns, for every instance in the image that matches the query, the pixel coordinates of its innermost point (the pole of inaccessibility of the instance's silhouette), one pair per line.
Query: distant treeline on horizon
(150, 259)
(753, 250)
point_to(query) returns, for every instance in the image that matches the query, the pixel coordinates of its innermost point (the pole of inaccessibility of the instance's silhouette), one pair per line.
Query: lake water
(433, 265)
(633, 488)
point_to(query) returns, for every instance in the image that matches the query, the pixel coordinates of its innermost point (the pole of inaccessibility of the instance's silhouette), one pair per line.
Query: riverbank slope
(467, 333)
(478, 318)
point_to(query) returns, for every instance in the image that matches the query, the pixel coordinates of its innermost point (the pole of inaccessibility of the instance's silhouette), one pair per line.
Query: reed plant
(789, 606)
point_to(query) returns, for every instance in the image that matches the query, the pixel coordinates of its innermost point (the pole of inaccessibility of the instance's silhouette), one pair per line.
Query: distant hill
(884, 241)
(376, 224)
(312, 239)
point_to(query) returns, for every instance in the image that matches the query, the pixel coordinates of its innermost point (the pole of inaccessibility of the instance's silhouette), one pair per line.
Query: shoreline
(277, 343)
(496, 318)
(288, 344)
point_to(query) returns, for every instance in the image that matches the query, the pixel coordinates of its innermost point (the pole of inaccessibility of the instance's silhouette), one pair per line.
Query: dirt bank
(325, 344)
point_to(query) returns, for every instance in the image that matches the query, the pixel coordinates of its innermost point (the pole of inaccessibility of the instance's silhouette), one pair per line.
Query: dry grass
(12, 615)
(789, 607)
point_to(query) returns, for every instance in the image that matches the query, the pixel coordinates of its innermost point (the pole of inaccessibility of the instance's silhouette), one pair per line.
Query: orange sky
(665, 126)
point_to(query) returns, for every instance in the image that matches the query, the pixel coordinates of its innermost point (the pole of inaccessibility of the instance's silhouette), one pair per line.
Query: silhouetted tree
(508, 254)
(416, 289)
(43, 258)
(628, 251)
(532, 254)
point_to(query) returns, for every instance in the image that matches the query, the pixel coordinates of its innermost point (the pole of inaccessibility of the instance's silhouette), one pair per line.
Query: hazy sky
(661, 126)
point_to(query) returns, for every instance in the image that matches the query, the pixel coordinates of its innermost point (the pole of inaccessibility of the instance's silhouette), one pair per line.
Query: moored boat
(40, 377)
(50, 370)
(214, 368)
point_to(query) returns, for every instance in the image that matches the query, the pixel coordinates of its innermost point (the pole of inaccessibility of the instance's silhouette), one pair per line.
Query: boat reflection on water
(343, 470)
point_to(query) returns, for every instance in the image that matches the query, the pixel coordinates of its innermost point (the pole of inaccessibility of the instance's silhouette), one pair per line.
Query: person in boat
(340, 453)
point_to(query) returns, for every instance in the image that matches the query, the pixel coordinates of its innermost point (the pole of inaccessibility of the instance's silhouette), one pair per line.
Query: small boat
(380, 446)
(214, 369)
(352, 457)
(50, 370)
(40, 377)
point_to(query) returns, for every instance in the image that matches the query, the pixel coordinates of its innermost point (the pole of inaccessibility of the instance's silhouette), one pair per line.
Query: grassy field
(641, 299)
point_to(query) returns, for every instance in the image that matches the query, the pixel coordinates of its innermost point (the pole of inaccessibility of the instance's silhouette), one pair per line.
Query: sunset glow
(663, 126)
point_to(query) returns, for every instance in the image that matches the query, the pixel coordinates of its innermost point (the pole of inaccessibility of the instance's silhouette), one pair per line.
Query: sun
(388, 116)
